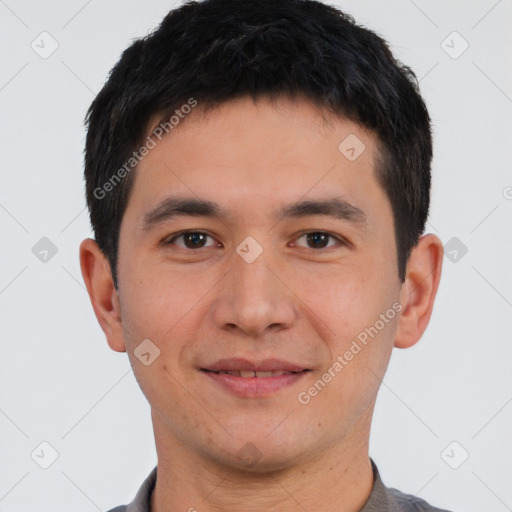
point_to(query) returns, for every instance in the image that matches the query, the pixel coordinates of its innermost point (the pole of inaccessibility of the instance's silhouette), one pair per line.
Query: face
(252, 243)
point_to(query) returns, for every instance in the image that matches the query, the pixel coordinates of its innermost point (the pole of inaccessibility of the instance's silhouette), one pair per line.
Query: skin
(295, 302)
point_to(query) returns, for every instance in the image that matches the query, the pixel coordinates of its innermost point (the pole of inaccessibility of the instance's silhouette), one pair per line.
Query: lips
(245, 368)
(251, 373)
(248, 379)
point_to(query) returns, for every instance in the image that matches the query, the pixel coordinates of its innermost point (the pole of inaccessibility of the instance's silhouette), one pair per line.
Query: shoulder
(389, 499)
(408, 503)
(142, 500)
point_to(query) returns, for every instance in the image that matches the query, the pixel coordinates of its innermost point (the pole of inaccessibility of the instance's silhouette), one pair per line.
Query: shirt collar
(380, 499)
(142, 500)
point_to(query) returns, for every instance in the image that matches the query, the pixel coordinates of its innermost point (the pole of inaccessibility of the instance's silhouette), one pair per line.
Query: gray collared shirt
(381, 499)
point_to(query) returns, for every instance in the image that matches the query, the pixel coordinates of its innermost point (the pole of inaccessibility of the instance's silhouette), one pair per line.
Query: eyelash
(340, 240)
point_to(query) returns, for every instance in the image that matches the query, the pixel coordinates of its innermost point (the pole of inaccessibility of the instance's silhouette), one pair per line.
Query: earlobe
(419, 290)
(104, 297)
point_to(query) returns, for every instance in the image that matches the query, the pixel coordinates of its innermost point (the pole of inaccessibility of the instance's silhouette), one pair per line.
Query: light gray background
(59, 381)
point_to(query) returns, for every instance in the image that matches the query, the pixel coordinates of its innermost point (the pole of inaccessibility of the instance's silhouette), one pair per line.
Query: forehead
(256, 154)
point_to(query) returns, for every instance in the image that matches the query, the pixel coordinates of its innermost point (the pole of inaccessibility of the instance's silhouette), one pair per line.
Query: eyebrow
(179, 207)
(335, 207)
(173, 207)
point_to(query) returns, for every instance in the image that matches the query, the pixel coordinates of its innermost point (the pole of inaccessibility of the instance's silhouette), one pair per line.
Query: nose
(254, 298)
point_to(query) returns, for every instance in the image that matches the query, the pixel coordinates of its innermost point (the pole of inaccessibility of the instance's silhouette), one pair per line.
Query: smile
(251, 374)
(253, 380)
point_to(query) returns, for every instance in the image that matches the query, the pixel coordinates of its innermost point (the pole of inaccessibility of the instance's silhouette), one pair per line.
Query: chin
(260, 454)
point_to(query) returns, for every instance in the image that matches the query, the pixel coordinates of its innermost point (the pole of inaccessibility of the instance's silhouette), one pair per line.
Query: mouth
(247, 374)
(246, 378)
(247, 368)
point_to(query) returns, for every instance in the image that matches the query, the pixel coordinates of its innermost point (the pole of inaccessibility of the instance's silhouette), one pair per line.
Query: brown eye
(318, 240)
(192, 240)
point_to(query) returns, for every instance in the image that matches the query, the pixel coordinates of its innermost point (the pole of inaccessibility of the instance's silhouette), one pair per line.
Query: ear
(104, 297)
(419, 290)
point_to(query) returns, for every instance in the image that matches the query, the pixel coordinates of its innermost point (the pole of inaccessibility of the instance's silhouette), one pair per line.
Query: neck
(339, 478)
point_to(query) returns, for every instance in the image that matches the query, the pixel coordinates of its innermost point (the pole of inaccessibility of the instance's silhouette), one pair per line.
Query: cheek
(160, 296)
(343, 296)
(346, 304)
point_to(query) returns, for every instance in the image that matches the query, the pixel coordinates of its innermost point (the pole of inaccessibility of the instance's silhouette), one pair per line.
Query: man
(258, 179)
